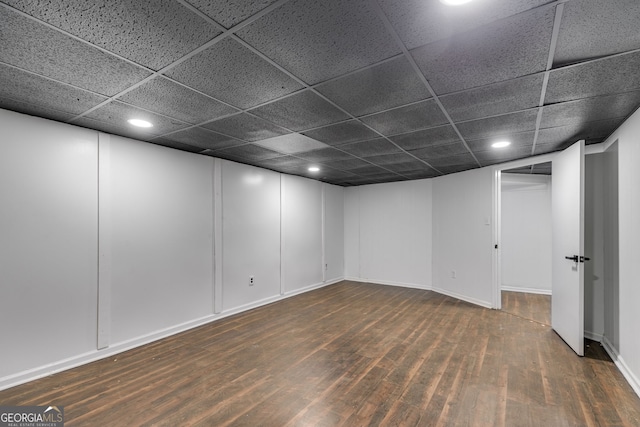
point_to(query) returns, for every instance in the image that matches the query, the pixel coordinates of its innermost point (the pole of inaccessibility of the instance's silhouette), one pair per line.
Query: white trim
(526, 290)
(386, 283)
(622, 366)
(92, 356)
(485, 304)
(593, 336)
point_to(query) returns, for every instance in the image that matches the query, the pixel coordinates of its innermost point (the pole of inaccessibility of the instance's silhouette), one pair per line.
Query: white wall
(526, 233)
(628, 348)
(393, 243)
(302, 212)
(48, 243)
(250, 234)
(611, 248)
(334, 232)
(462, 235)
(156, 209)
(108, 243)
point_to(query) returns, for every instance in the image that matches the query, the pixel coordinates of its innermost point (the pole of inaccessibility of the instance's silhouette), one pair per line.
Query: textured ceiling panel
(590, 109)
(239, 94)
(247, 152)
(232, 73)
(318, 40)
(230, 12)
(425, 114)
(500, 51)
(152, 34)
(581, 37)
(301, 111)
(378, 88)
(495, 99)
(45, 51)
(33, 89)
(374, 147)
(246, 127)
(325, 155)
(291, 143)
(616, 74)
(504, 125)
(419, 22)
(423, 138)
(518, 141)
(201, 138)
(342, 133)
(163, 96)
(118, 113)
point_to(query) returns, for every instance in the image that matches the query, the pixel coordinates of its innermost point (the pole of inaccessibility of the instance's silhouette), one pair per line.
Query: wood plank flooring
(350, 354)
(528, 306)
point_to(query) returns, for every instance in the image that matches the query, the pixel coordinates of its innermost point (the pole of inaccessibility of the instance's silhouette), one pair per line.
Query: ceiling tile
(232, 73)
(423, 138)
(582, 37)
(47, 94)
(518, 141)
(163, 96)
(34, 110)
(369, 171)
(421, 174)
(556, 138)
(411, 165)
(45, 51)
(542, 168)
(457, 168)
(419, 22)
(393, 158)
(202, 138)
(176, 145)
(153, 34)
(342, 133)
(291, 143)
(285, 162)
(492, 157)
(117, 113)
(500, 51)
(421, 115)
(439, 151)
(462, 160)
(594, 78)
(388, 85)
(590, 109)
(504, 125)
(348, 164)
(247, 153)
(374, 147)
(230, 12)
(301, 111)
(498, 98)
(114, 128)
(318, 40)
(246, 127)
(325, 155)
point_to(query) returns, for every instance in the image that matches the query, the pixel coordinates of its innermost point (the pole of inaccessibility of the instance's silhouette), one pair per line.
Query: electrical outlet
(326, 266)
(251, 281)
(453, 274)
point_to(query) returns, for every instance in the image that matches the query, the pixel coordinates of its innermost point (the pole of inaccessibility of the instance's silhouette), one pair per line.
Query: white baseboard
(526, 290)
(622, 366)
(384, 282)
(92, 356)
(475, 301)
(593, 336)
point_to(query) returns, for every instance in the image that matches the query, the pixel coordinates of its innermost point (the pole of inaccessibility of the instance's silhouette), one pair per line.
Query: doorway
(525, 223)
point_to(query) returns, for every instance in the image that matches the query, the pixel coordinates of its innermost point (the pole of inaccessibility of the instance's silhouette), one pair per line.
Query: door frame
(496, 228)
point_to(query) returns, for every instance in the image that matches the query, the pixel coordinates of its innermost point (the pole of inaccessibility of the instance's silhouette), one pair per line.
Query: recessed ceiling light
(140, 123)
(501, 144)
(454, 2)
(314, 169)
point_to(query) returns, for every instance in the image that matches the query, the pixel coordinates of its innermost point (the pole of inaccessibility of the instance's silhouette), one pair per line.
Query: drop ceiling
(370, 91)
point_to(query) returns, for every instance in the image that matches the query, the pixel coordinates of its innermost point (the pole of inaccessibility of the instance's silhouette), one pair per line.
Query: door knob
(574, 258)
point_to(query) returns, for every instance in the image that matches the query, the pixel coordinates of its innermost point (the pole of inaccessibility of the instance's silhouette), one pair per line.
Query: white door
(567, 299)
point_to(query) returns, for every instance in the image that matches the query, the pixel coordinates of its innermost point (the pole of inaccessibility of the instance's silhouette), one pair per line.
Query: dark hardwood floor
(349, 354)
(528, 306)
